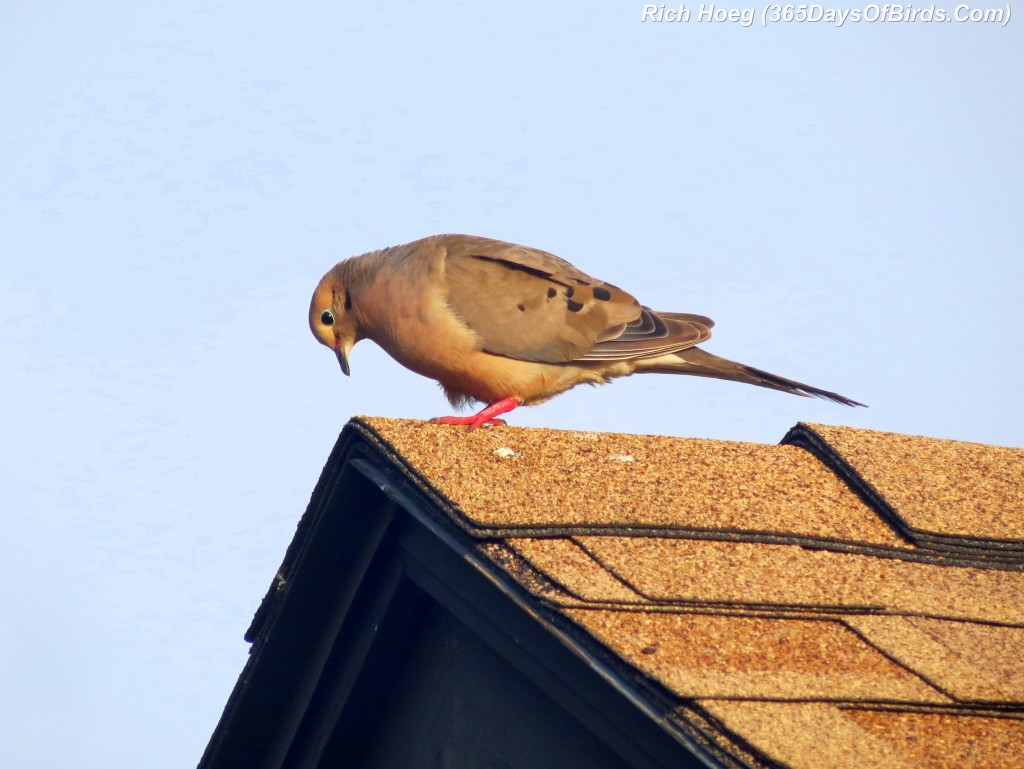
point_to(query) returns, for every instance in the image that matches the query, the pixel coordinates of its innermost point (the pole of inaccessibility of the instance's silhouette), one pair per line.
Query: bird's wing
(528, 304)
(651, 335)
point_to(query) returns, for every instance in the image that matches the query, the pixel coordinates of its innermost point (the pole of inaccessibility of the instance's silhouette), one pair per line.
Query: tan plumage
(509, 325)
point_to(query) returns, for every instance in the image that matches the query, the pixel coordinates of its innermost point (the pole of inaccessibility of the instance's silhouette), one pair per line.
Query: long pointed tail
(695, 362)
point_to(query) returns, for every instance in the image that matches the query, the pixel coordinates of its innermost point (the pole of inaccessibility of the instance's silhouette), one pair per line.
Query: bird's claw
(488, 417)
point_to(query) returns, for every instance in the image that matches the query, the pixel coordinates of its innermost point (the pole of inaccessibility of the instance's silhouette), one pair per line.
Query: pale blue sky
(175, 177)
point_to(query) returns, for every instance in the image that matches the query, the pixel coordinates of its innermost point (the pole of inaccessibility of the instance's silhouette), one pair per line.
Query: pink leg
(487, 417)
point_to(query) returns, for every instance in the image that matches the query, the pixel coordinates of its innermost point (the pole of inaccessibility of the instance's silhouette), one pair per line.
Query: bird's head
(330, 317)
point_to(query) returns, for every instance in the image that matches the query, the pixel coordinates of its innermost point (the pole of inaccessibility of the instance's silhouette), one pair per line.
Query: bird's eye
(327, 318)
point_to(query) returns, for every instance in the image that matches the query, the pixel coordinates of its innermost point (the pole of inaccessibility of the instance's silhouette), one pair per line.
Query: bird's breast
(421, 332)
(426, 337)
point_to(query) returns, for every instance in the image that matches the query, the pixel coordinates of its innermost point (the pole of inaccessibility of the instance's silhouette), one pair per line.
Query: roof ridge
(810, 438)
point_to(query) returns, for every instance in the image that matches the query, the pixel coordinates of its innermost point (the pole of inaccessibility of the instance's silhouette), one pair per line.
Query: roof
(848, 598)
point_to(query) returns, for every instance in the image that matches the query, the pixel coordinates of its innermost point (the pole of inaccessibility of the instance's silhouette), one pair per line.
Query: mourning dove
(508, 325)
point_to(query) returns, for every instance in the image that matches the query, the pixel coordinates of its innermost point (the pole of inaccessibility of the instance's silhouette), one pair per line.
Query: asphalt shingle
(853, 599)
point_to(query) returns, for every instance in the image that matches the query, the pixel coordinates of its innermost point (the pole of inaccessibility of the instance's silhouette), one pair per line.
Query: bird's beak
(343, 361)
(343, 344)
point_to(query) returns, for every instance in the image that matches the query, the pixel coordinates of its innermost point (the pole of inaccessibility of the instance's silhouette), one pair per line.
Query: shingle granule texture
(938, 491)
(849, 599)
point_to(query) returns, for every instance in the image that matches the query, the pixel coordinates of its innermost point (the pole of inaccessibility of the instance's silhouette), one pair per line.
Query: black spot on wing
(569, 292)
(512, 266)
(602, 294)
(573, 306)
(551, 293)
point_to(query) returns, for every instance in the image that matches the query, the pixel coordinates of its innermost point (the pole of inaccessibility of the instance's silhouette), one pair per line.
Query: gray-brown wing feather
(540, 262)
(520, 314)
(652, 334)
(531, 305)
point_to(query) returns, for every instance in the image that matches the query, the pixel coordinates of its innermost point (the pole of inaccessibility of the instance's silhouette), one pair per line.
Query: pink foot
(486, 418)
